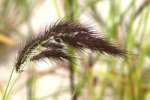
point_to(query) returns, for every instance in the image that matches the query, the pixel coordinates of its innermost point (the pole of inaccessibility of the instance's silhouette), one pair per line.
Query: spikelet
(56, 38)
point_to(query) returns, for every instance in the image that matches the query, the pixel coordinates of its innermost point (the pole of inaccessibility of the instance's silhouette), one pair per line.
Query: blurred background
(96, 76)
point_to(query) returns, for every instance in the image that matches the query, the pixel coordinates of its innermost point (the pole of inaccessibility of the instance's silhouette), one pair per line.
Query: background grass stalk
(71, 14)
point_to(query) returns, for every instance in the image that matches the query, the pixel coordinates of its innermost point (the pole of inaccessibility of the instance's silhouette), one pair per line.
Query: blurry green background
(96, 76)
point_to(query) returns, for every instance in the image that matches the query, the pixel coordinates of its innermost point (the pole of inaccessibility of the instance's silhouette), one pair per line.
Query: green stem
(8, 84)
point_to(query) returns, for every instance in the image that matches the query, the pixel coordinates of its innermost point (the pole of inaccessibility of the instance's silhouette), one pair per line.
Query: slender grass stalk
(71, 12)
(7, 90)
(31, 84)
(141, 59)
